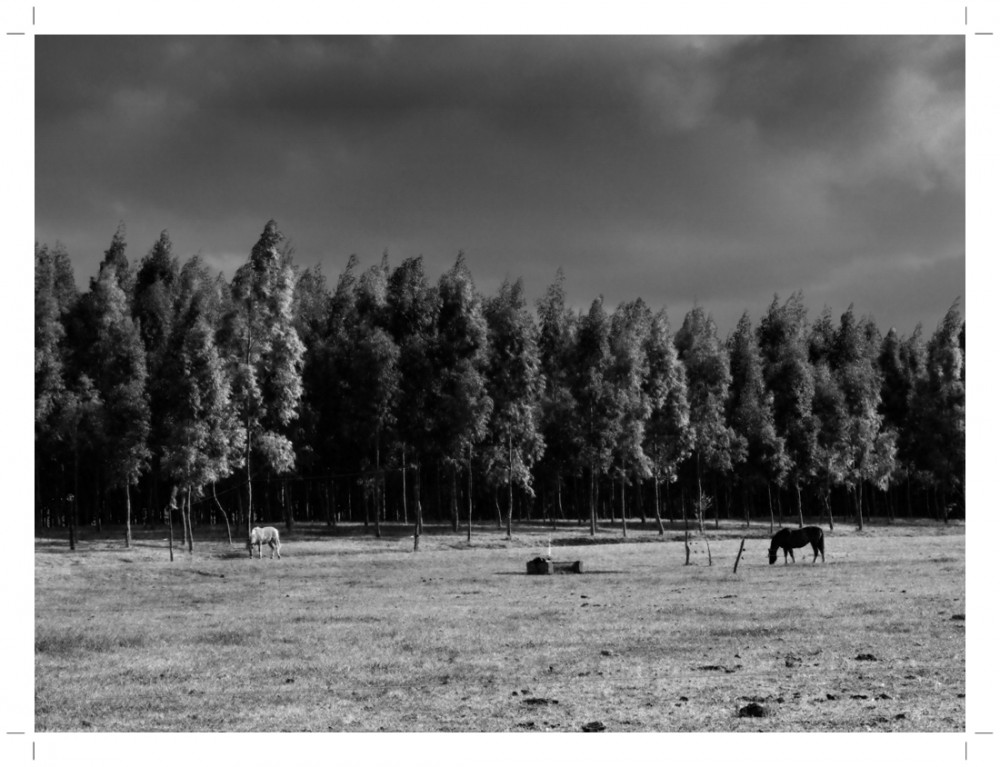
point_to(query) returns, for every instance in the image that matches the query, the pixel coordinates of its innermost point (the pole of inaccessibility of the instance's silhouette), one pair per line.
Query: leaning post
(738, 555)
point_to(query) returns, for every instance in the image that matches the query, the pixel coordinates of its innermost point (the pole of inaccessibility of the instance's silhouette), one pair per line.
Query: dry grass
(348, 633)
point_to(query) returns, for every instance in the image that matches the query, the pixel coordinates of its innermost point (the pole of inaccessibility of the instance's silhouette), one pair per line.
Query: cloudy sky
(708, 170)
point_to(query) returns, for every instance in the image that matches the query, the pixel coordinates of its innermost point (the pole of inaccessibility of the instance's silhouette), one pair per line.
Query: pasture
(353, 633)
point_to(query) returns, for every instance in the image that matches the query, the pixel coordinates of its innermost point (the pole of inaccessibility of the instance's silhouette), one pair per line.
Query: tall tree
(669, 434)
(630, 329)
(854, 361)
(939, 405)
(832, 456)
(782, 335)
(555, 348)
(460, 353)
(153, 307)
(118, 364)
(514, 385)
(707, 367)
(750, 412)
(204, 436)
(412, 320)
(268, 357)
(596, 400)
(374, 382)
(55, 296)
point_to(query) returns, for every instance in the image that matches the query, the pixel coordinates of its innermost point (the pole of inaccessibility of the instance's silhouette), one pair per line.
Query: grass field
(350, 633)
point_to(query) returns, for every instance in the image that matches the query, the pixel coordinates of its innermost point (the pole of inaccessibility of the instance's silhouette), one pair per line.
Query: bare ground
(350, 633)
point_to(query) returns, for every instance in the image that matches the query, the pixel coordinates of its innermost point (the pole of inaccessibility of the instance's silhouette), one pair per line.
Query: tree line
(165, 393)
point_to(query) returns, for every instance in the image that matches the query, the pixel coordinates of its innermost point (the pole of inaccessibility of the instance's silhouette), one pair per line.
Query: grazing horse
(261, 535)
(787, 540)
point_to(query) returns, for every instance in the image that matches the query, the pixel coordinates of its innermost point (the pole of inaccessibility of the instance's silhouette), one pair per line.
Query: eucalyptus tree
(204, 436)
(556, 329)
(116, 257)
(514, 385)
(78, 428)
(153, 307)
(939, 411)
(460, 354)
(55, 295)
(629, 372)
(831, 458)
(669, 436)
(782, 336)
(373, 380)
(327, 406)
(750, 412)
(870, 453)
(708, 377)
(310, 316)
(597, 414)
(412, 309)
(117, 363)
(267, 357)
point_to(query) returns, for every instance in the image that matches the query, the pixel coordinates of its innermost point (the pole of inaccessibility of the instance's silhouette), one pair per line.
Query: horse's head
(772, 556)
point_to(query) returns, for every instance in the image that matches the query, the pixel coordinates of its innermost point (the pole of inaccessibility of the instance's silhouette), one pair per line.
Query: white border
(512, 16)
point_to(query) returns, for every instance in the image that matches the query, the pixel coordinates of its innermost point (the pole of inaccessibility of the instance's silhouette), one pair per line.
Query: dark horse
(795, 539)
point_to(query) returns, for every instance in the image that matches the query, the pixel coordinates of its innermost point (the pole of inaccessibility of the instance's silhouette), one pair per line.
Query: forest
(166, 395)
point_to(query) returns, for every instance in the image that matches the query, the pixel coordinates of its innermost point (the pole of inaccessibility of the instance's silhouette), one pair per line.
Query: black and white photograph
(498, 380)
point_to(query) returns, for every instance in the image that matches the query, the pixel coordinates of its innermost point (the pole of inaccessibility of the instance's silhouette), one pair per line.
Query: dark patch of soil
(753, 709)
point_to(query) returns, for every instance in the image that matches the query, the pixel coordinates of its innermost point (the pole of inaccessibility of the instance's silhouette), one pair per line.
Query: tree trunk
(593, 502)
(190, 530)
(454, 499)
(510, 482)
(624, 527)
(909, 501)
(701, 506)
(638, 500)
(715, 489)
(666, 502)
(229, 534)
(770, 508)
(857, 504)
(249, 483)
(184, 526)
(171, 505)
(128, 517)
(416, 510)
(829, 506)
(287, 506)
(378, 488)
(469, 536)
(406, 516)
(73, 513)
(656, 503)
(798, 497)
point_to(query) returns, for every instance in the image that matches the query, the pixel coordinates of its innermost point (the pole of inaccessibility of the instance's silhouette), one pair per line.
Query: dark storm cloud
(716, 169)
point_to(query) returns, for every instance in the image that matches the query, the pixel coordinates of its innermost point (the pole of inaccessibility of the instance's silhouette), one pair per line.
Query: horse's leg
(790, 551)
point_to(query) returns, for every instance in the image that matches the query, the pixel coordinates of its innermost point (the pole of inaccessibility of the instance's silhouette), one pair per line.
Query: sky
(713, 171)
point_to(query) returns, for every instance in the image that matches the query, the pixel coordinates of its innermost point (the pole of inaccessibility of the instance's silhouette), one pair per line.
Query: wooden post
(687, 549)
(738, 555)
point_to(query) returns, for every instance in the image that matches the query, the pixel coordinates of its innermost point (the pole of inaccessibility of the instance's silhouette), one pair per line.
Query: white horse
(261, 535)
